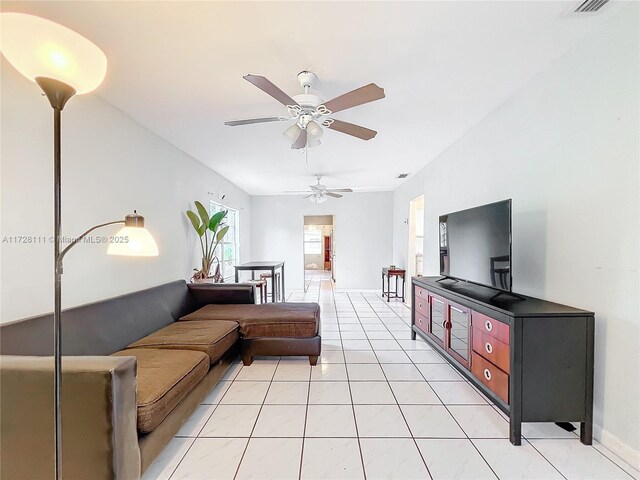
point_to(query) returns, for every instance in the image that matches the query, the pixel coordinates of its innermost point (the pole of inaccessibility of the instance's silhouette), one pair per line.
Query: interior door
(333, 255)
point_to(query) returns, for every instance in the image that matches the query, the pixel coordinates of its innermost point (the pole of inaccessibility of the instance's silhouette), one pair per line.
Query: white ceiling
(177, 67)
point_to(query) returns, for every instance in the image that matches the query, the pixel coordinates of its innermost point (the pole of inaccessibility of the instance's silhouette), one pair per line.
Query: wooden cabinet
(510, 348)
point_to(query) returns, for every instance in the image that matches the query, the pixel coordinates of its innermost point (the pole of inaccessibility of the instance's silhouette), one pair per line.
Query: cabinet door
(437, 319)
(459, 327)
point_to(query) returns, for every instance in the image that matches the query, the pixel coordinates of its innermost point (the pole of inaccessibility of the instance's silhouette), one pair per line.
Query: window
(312, 242)
(228, 250)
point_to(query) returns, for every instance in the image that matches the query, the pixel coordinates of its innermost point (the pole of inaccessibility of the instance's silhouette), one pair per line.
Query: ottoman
(270, 328)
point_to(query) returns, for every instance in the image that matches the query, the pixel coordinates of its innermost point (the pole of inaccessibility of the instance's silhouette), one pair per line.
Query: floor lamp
(64, 63)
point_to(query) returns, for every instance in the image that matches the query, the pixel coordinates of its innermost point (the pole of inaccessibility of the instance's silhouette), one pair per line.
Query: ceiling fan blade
(356, 97)
(308, 196)
(270, 89)
(353, 130)
(301, 141)
(249, 121)
(334, 195)
(346, 190)
(297, 191)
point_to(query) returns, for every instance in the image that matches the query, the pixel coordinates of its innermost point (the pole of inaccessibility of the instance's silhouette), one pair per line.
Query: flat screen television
(475, 245)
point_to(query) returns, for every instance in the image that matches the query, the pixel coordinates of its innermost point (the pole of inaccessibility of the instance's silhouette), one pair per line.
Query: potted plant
(211, 231)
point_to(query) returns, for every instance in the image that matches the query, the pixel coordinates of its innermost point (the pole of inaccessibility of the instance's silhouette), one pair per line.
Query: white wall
(361, 228)
(110, 166)
(566, 150)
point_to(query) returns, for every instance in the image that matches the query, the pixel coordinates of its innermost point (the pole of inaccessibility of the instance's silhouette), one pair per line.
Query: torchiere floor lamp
(64, 63)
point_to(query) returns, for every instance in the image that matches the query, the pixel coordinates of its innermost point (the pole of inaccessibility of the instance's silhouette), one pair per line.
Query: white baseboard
(617, 446)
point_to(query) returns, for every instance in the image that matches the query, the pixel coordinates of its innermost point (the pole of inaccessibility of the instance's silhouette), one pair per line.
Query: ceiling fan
(319, 193)
(311, 112)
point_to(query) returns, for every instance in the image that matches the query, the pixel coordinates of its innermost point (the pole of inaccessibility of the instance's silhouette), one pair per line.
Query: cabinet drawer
(492, 349)
(495, 379)
(422, 306)
(490, 326)
(422, 323)
(422, 293)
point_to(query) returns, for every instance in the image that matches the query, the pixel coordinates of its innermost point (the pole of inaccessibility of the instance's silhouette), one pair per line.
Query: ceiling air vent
(403, 175)
(590, 6)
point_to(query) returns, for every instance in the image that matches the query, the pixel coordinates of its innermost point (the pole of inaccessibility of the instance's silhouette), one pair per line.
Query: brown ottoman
(270, 328)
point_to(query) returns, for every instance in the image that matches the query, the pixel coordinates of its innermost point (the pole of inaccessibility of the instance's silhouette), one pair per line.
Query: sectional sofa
(135, 367)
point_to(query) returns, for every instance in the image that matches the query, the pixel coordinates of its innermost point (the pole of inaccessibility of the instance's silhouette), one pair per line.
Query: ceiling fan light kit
(319, 193)
(310, 112)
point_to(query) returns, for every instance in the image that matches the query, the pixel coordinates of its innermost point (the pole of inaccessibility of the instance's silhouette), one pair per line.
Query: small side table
(393, 272)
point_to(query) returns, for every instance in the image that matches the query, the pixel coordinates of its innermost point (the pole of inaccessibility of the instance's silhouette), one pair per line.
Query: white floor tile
(392, 458)
(331, 459)
(409, 344)
(480, 421)
(353, 336)
(379, 335)
(356, 345)
(439, 372)
(196, 421)
(431, 421)
(457, 393)
(330, 421)
(164, 465)
(201, 463)
(413, 393)
(328, 345)
(257, 372)
(282, 393)
(385, 345)
(522, 462)
(454, 459)
(329, 372)
(401, 371)
(577, 461)
(216, 394)
(392, 356)
(289, 371)
(245, 393)
(331, 335)
(331, 356)
(365, 372)
(231, 421)
(371, 393)
(280, 421)
(329, 393)
(425, 356)
(271, 458)
(357, 356)
(380, 421)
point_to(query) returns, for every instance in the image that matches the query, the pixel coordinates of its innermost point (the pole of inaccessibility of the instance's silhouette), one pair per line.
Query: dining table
(264, 266)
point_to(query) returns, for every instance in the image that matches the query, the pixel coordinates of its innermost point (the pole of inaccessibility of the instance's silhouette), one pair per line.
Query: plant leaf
(203, 213)
(195, 221)
(216, 219)
(223, 231)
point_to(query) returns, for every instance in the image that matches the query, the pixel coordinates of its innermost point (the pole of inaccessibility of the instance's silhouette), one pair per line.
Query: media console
(532, 358)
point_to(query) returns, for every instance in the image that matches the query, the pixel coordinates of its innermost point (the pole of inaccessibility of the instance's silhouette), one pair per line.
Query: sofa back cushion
(103, 327)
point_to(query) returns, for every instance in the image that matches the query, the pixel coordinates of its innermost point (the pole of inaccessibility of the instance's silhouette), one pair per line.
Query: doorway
(318, 250)
(416, 236)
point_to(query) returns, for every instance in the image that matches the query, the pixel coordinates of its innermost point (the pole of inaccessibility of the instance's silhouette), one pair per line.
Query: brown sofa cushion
(212, 338)
(164, 378)
(290, 320)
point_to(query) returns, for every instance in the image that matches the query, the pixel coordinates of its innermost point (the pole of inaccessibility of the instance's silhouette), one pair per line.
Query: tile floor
(377, 406)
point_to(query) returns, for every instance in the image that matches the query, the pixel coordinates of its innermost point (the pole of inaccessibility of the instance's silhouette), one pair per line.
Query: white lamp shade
(41, 48)
(133, 242)
(315, 131)
(318, 199)
(313, 142)
(292, 133)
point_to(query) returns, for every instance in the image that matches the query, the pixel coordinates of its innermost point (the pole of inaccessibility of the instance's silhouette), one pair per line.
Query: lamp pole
(58, 94)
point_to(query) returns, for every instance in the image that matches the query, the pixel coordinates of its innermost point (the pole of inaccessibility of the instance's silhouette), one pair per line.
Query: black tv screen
(475, 245)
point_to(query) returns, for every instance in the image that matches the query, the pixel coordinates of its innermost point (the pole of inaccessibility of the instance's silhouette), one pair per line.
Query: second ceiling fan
(311, 112)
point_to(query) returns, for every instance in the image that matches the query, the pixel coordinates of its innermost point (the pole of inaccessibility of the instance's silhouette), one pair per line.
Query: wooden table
(264, 266)
(393, 272)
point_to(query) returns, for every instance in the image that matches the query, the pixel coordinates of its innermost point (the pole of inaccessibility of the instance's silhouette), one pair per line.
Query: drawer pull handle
(419, 305)
(487, 374)
(419, 292)
(488, 325)
(488, 347)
